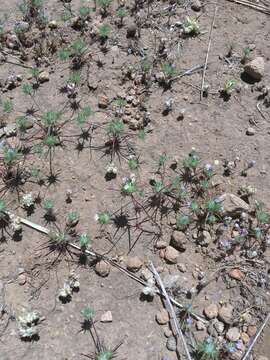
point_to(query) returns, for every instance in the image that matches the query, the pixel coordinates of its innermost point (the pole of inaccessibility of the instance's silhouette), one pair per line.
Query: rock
(131, 30)
(171, 343)
(53, 24)
(134, 263)
(103, 102)
(178, 240)
(162, 317)
(44, 76)
(219, 326)
(211, 311)
(233, 334)
(102, 268)
(205, 238)
(255, 68)
(12, 41)
(196, 5)
(245, 338)
(106, 317)
(171, 255)
(160, 244)
(200, 326)
(21, 279)
(252, 330)
(181, 115)
(233, 205)
(167, 332)
(146, 274)
(182, 267)
(160, 77)
(225, 313)
(236, 274)
(250, 131)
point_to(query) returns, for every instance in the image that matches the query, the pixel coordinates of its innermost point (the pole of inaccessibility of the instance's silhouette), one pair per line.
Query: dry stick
(260, 8)
(46, 231)
(256, 337)
(208, 50)
(171, 310)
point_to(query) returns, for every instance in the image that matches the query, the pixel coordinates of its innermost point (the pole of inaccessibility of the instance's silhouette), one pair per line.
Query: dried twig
(261, 8)
(208, 50)
(171, 310)
(246, 356)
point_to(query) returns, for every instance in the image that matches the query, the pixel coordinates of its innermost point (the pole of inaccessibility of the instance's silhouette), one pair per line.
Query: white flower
(28, 200)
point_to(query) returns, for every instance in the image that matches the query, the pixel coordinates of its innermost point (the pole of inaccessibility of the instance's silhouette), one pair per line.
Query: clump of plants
(191, 26)
(71, 285)
(27, 324)
(207, 350)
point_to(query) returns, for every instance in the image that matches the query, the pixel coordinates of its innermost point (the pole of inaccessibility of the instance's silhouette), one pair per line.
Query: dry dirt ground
(214, 126)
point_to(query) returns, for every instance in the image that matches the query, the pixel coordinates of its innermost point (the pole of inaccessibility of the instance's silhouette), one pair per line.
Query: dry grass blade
(261, 8)
(207, 54)
(171, 310)
(246, 356)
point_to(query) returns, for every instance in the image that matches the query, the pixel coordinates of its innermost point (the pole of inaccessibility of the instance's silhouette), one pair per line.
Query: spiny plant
(84, 241)
(104, 6)
(72, 219)
(169, 72)
(104, 32)
(121, 13)
(103, 217)
(191, 26)
(33, 11)
(77, 51)
(207, 350)
(228, 88)
(27, 325)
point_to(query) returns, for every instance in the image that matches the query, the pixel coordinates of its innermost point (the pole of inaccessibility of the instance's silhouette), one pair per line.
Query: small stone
(160, 244)
(44, 76)
(205, 238)
(146, 274)
(211, 311)
(21, 279)
(233, 205)
(134, 263)
(171, 343)
(102, 268)
(182, 267)
(219, 326)
(178, 240)
(12, 41)
(53, 24)
(160, 77)
(167, 332)
(106, 317)
(225, 313)
(162, 317)
(171, 255)
(131, 30)
(236, 274)
(252, 330)
(251, 131)
(196, 5)
(255, 68)
(103, 102)
(245, 338)
(233, 334)
(200, 326)
(181, 115)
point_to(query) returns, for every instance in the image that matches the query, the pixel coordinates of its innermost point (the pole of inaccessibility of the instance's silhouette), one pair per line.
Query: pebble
(12, 41)
(205, 238)
(250, 131)
(146, 274)
(255, 68)
(233, 205)
(211, 311)
(21, 279)
(181, 115)
(160, 244)
(171, 343)
(200, 326)
(252, 330)
(236, 274)
(182, 267)
(178, 241)
(245, 338)
(225, 313)
(196, 5)
(103, 101)
(131, 30)
(233, 334)
(167, 332)
(219, 326)
(44, 76)
(134, 263)
(171, 255)
(102, 268)
(53, 24)
(162, 317)
(106, 317)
